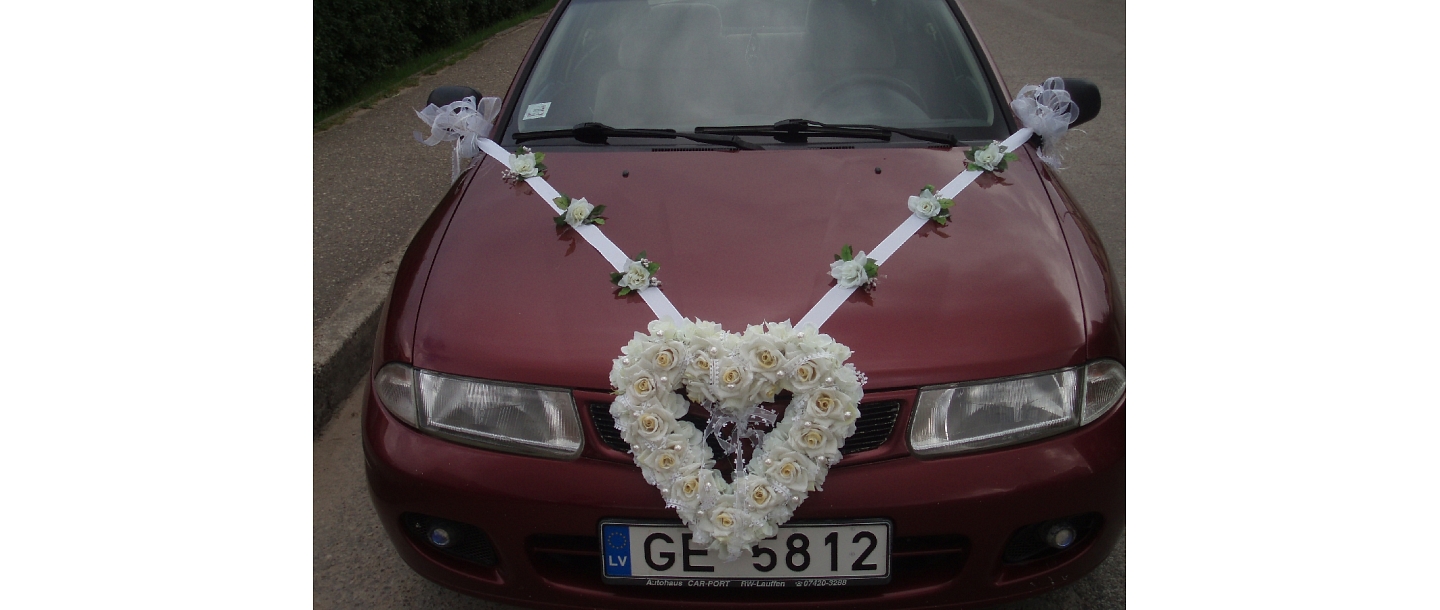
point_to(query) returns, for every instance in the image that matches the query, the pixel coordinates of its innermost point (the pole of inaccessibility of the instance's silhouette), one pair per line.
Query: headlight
(503, 416)
(983, 415)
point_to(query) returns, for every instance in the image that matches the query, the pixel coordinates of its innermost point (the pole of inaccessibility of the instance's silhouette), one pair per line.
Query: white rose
(754, 494)
(653, 424)
(815, 441)
(790, 468)
(990, 156)
(524, 165)
(667, 461)
(807, 375)
(636, 277)
(851, 273)
(578, 211)
(764, 352)
(641, 386)
(926, 205)
(684, 490)
(826, 405)
(724, 520)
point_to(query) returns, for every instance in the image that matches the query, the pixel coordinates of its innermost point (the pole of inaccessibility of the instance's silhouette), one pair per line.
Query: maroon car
(742, 144)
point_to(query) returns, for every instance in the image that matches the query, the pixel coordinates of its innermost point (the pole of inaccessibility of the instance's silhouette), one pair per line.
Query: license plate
(816, 554)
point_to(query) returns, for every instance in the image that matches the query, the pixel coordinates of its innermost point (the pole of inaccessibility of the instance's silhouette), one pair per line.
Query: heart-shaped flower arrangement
(731, 375)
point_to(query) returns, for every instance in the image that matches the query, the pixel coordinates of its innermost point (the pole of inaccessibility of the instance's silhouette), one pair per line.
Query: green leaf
(560, 220)
(563, 202)
(847, 253)
(946, 203)
(624, 291)
(539, 157)
(837, 257)
(653, 267)
(1011, 156)
(640, 255)
(599, 209)
(615, 277)
(928, 187)
(871, 269)
(941, 220)
(598, 221)
(970, 155)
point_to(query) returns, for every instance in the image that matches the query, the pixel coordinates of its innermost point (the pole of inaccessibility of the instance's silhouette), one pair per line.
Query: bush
(358, 40)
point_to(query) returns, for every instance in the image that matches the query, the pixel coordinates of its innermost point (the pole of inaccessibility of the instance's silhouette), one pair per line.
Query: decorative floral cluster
(578, 212)
(638, 275)
(734, 372)
(524, 164)
(852, 270)
(992, 158)
(928, 205)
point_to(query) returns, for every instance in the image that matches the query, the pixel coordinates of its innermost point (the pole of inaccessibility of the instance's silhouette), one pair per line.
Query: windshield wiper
(798, 131)
(599, 133)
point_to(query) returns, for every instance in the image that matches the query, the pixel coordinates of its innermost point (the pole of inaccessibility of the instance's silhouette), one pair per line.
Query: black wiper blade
(799, 130)
(599, 133)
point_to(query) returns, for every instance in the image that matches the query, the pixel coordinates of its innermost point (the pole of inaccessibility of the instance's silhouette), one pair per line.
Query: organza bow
(464, 122)
(719, 418)
(1048, 111)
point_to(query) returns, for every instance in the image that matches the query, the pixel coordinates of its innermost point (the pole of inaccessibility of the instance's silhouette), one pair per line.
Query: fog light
(1060, 536)
(439, 537)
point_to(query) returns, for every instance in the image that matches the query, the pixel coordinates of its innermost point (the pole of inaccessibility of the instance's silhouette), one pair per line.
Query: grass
(408, 74)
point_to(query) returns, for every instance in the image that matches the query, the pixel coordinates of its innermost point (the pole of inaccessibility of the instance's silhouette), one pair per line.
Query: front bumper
(952, 516)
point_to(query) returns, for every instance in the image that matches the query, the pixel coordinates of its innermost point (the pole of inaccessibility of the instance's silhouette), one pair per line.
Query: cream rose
(990, 156)
(578, 211)
(524, 165)
(642, 385)
(827, 405)
(926, 205)
(851, 273)
(654, 423)
(636, 277)
(790, 468)
(814, 441)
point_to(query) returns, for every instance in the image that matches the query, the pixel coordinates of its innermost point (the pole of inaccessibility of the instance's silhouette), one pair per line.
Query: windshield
(681, 65)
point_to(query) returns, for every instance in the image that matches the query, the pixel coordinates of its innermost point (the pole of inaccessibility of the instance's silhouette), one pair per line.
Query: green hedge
(357, 40)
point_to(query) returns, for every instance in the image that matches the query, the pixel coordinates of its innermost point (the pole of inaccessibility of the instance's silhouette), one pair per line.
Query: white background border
(155, 179)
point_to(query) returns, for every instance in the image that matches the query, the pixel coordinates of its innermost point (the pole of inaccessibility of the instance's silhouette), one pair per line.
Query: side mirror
(1085, 95)
(454, 93)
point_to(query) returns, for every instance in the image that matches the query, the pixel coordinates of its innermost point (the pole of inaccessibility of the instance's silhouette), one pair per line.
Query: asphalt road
(374, 186)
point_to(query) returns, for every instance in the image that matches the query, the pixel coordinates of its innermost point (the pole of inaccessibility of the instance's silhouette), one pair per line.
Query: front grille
(877, 421)
(605, 426)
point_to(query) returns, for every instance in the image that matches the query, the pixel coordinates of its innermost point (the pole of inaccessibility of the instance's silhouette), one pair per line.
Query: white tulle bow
(1047, 110)
(464, 122)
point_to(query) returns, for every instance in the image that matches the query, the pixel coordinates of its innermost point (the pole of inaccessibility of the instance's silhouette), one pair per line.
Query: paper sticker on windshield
(536, 111)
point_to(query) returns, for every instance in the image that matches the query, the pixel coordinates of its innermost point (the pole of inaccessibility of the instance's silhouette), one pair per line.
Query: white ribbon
(464, 122)
(837, 295)
(657, 300)
(1047, 110)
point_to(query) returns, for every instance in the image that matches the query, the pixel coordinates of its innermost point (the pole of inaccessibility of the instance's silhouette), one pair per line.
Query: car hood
(748, 237)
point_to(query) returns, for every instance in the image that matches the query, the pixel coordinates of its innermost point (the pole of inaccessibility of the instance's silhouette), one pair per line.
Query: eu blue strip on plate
(617, 550)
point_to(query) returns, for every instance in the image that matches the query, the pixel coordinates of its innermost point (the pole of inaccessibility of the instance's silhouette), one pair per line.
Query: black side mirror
(454, 93)
(1085, 95)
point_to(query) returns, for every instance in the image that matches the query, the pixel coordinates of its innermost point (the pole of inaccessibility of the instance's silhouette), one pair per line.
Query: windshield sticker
(536, 111)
